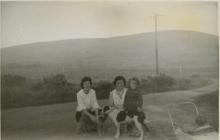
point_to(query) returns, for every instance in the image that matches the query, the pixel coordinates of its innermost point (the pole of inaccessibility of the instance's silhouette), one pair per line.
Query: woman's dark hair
(117, 78)
(84, 79)
(134, 79)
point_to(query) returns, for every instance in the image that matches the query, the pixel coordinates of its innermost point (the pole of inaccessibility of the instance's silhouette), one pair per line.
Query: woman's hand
(94, 119)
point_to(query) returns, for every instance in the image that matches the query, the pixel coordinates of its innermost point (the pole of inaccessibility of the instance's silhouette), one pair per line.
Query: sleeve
(95, 102)
(81, 105)
(140, 100)
(125, 105)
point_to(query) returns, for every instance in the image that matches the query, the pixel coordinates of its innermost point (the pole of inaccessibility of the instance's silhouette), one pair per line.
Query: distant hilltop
(188, 49)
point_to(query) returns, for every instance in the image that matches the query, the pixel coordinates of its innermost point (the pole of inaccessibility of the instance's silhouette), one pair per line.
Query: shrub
(53, 89)
(158, 83)
(103, 89)
(16, 92)
(182, 84)
(12, 80)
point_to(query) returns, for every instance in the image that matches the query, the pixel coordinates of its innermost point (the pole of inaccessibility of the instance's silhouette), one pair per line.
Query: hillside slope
(188, 49)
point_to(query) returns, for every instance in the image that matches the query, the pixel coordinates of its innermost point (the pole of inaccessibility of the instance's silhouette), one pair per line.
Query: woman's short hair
(117, 78)
(134, 79)
(84, 79)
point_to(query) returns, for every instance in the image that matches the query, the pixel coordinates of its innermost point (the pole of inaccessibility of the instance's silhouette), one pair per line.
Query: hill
(103, 56)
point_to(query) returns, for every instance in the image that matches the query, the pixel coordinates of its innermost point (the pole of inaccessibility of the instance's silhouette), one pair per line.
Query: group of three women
(122, 98)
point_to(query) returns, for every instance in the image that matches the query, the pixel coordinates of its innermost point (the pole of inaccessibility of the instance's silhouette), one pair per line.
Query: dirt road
(57, 122)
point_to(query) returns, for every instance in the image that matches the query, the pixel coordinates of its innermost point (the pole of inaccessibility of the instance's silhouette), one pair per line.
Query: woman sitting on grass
(87, 109)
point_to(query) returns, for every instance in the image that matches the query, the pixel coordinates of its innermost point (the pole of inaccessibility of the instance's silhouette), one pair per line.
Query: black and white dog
(121, 117)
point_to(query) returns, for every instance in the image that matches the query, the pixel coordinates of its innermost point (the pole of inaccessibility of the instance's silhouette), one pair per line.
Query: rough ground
(57, 122)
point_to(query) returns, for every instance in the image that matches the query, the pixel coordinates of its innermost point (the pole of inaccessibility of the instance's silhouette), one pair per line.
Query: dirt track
(56, 122)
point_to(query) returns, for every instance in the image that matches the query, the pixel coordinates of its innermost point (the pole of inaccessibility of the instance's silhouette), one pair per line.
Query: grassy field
(56, 122)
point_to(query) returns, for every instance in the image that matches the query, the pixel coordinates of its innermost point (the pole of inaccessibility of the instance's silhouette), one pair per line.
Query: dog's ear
(106, 108)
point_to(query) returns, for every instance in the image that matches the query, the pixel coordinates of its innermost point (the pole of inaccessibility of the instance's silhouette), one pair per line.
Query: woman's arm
(88, 114)
(125, 105)
(81, 105)
(95, 106)
(111, 101)
(140, 100)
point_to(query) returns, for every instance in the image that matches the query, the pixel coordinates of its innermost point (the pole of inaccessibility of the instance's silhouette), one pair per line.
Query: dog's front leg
(99, 128)
(139, 127)
(117, 125)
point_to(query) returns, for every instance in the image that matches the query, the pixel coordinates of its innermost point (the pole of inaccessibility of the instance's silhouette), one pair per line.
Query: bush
(53, 89)
(157, 83)
(103, 89)
(12, 80)
(17, 92)
(182, 84)
(14, 91)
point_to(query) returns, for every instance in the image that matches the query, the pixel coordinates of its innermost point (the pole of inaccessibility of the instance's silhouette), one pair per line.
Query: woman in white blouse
(117, 96)
(87, 103)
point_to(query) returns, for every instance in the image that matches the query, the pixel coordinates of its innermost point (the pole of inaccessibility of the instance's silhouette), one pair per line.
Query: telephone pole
(156, 42)
(63, 69)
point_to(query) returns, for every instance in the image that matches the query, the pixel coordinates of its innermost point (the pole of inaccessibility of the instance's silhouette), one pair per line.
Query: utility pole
(63, 69)
(180, 62)
(156, 42)
(156, 48)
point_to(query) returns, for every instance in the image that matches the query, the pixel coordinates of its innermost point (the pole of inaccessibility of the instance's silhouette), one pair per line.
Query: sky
(30, 22)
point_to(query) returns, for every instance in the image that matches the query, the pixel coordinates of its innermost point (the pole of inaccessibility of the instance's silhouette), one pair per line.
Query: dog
(121, 117)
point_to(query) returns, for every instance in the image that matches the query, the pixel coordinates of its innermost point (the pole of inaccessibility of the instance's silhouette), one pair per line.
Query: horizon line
(109, 37)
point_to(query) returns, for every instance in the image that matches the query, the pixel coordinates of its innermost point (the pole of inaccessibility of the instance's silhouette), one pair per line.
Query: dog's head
(103, 113)
(106, 109)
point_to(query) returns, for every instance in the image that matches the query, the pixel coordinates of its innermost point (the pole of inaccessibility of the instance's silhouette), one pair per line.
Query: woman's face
(87, 85)
(119, 85)
(133, 84)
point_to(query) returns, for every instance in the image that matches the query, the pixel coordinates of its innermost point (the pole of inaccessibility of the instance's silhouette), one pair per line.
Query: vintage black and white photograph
(109, 70)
